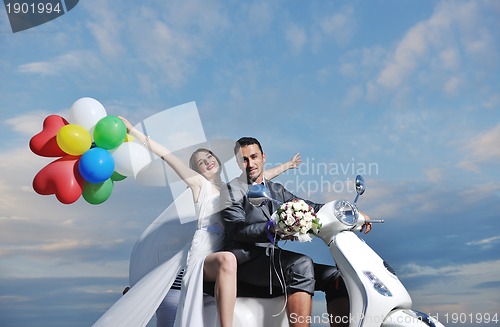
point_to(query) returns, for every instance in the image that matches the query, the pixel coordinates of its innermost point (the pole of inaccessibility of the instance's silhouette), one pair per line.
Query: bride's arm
(275, 171)
(189, 176)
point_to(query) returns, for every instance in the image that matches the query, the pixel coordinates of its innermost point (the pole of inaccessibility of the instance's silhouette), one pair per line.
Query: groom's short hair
(245, 141)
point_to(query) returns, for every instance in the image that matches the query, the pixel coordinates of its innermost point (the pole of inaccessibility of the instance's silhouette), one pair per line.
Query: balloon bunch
(86, 166)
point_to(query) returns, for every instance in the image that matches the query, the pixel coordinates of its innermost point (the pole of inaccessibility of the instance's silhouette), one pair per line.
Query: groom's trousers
(296, 272)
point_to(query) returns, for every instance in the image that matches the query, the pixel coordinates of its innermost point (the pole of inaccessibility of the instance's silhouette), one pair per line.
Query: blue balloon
(96, 165)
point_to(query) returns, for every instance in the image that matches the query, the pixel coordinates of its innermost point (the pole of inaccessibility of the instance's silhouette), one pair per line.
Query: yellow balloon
(74, 139)
(129, 138)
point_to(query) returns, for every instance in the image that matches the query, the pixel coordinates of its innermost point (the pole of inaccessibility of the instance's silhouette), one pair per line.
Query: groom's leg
(328, 280)
(299, 307)
(294, 270)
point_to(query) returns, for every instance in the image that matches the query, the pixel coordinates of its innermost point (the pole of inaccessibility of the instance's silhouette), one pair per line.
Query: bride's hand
(127, 123)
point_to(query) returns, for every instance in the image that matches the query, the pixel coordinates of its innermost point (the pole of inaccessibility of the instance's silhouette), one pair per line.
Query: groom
(247, 239)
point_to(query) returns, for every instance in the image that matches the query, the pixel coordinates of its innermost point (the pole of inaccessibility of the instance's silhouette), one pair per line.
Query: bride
(204, 261)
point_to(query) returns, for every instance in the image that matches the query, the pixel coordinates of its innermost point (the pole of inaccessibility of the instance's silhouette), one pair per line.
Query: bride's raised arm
(193, 179)
(278, 170)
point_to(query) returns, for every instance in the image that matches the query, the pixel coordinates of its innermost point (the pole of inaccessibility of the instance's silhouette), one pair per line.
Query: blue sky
(410, 87)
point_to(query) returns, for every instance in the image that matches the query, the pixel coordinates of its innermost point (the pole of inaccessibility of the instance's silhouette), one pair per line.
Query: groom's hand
(367, 226)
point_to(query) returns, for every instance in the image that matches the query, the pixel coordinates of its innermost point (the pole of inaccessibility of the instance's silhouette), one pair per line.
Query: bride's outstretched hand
(127, 123)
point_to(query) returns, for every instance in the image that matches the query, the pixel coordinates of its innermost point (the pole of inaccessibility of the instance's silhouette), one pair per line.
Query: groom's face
(251, 161)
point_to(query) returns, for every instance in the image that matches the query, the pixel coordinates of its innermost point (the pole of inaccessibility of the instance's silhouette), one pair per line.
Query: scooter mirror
(257, 194)
(360, 185)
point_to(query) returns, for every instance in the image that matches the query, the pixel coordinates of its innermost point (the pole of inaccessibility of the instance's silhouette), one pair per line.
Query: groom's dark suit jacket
(246, 224)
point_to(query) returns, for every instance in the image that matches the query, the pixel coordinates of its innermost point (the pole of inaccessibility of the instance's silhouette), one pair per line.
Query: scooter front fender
(409, 318)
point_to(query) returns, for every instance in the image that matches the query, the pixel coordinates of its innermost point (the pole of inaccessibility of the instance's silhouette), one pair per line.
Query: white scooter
(377, 297)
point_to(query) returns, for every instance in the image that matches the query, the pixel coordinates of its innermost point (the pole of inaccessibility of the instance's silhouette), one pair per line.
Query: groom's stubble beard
(251, 161)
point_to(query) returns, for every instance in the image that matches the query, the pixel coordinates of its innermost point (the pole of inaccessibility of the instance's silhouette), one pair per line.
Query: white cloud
(30, 123)
(204, 17)
(40, 67)
(405, 58)
(452, 84)
(260, 16)
(411, 270)
(19, 166)
(468, 165)
(340, 25)
(439, 48)
(167, 40)
(440, 294)
(56, 267)
(481, 149)
(485, 242)
(435, 175)
(296, 37)
(450, 58)
(56, 246)
(64, 64)
(491, 102)
(169, 53)
(479, 191)
(106, 27)
(353, 95)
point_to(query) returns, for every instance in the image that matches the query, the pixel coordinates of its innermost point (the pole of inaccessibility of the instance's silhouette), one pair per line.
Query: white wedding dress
(166, 247)
(208, 238)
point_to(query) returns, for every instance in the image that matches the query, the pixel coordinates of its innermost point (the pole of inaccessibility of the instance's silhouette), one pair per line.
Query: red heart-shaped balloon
(62, 178)
(45, 143)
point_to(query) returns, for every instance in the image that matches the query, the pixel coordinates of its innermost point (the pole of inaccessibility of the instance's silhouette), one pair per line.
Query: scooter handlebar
(362, 221)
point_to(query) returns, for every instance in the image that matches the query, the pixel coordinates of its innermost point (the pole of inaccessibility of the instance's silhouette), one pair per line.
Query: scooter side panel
(354, 258)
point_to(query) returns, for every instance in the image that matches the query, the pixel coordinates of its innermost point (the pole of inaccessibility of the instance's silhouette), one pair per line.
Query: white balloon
(130, 158)
(87, 112)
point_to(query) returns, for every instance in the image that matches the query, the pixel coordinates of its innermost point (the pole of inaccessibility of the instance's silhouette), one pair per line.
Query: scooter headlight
(345, 212)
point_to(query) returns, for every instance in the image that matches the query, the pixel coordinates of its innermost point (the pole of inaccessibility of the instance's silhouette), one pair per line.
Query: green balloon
(109, 132)
(116, 177)
(97, 193)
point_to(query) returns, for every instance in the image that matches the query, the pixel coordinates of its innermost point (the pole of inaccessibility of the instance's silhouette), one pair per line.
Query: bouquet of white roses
(296, 218)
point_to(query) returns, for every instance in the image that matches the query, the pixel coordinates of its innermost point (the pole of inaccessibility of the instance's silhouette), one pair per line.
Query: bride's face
(207, 164)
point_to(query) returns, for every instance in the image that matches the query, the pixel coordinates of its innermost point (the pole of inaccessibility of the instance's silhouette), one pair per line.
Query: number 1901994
(33, 8)
(467, 318)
